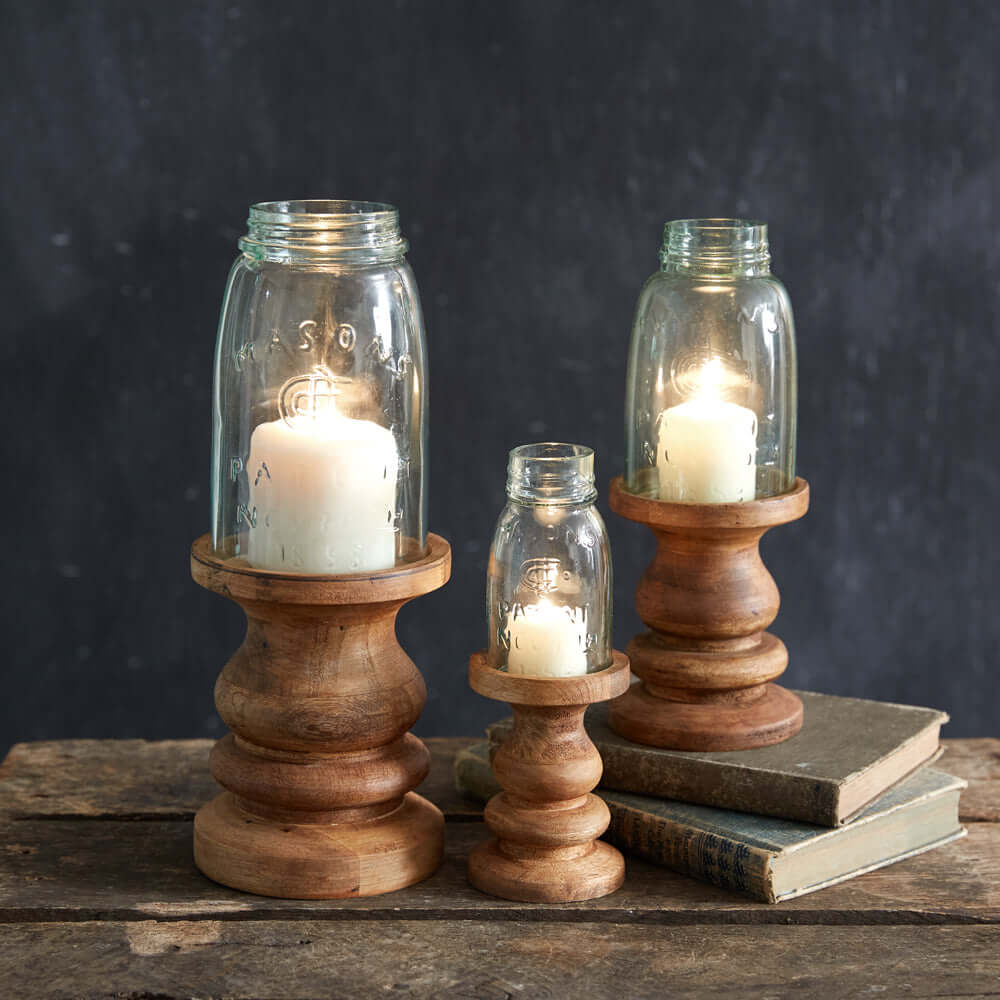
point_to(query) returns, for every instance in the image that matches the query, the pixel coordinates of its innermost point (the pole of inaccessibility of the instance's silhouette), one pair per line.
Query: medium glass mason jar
(320, 394)
(711, 394)
(548, 588)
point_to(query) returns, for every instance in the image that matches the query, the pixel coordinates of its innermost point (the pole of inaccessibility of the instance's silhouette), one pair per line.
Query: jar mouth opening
(316, 229)
(318, 210)
(551, 472)
(720, 224)
(716, 247)
(552, 451)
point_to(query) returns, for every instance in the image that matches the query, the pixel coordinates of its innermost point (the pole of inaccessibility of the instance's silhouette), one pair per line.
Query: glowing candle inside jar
(323, 488)
(707, 446)
(547, 641)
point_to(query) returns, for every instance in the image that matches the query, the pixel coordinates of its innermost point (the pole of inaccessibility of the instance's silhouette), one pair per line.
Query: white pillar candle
(547, 641)
(707, 447)
(323, 495)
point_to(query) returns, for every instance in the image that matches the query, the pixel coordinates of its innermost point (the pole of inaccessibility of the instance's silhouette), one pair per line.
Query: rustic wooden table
(99, 898)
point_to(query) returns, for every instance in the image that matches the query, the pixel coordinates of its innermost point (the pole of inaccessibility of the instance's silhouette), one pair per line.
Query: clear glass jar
(319, 409)
(548, 587)
(711, 394)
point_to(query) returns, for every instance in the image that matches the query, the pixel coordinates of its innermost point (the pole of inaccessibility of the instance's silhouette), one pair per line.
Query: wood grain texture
(121, 779)
(546, 820)
(156, 779)
(486, 960)
(96, 906)
(55, 779)
(109, 870)
(978, 761)
(706, 667)
(319, 767)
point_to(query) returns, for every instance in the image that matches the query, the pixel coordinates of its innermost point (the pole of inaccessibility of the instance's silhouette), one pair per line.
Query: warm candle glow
(707, 446)
(548, 641)
(710, 381)
(322, 486)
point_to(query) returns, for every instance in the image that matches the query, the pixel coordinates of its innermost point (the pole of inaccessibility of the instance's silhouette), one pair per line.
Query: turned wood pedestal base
(319, 766)
(546, 820)
(707, 666)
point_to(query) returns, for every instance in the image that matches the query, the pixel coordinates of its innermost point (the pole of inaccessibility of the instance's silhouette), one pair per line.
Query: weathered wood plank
(169, 779)
(479, 960)
(166, 779)
(978, 761)
(90, 870)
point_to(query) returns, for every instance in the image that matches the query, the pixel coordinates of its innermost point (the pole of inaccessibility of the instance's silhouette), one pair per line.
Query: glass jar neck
(551, 475)
(715, 248)
(353, 232)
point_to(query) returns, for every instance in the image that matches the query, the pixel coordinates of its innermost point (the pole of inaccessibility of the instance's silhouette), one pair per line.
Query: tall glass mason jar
(320, 395)
(710, 406)
(548, 588)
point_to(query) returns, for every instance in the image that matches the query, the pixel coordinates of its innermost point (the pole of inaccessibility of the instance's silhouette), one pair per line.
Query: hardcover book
(848, 752)
(765, 858)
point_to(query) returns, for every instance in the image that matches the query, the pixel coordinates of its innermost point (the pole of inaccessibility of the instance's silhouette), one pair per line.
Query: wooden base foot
(707, 665)
(546, 821)
(318, 860)
(601, 870)
(643, 718)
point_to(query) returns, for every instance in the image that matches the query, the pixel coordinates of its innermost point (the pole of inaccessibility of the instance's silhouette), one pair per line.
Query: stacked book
(850, 793)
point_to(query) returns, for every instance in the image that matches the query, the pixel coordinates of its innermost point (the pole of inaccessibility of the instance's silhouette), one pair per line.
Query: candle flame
(704, 377)
(711, 380)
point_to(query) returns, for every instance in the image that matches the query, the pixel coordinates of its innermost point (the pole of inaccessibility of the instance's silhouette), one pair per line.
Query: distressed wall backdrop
(534, 150)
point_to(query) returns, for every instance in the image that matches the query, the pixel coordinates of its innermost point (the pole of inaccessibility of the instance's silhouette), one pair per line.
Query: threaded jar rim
(716, 247)
(552, 473)
(357, 231)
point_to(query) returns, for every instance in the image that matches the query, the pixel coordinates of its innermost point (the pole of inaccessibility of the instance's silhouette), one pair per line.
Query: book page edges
(936, 808)
(922, 750)
(815, 887)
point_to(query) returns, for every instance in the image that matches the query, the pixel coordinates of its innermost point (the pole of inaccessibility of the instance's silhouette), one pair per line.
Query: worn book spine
(727, 863)
(720, 860)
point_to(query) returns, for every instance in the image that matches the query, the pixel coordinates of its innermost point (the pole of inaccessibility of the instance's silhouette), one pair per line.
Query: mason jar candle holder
(710, 422)
(318, 532)
(549, 656)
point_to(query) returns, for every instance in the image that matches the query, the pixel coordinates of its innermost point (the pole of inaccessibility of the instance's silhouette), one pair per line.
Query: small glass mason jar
(711, 394)
(548, 588)
(319, 405)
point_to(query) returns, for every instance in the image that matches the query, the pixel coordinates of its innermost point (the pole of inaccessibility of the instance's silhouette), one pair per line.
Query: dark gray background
(534, 150)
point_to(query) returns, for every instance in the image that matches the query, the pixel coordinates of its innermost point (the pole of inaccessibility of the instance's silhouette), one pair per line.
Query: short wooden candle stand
(546, 819)
(319, 767)
(707, 665)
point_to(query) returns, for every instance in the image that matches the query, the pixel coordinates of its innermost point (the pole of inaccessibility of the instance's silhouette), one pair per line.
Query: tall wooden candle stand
(707, 664)
(319, 766)
(546, 819)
